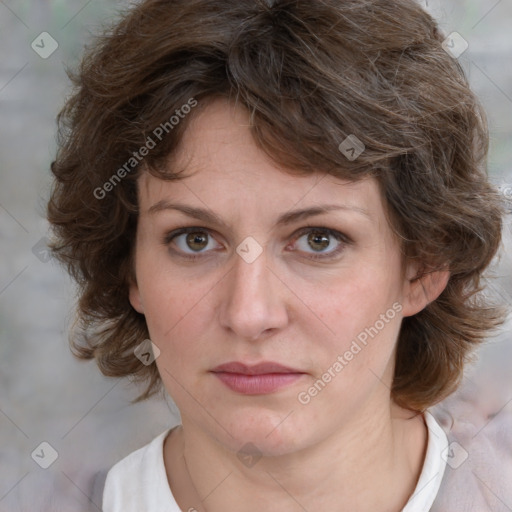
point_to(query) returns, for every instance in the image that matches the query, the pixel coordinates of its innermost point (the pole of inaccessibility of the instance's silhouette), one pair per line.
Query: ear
(134, 296)
(422, 288)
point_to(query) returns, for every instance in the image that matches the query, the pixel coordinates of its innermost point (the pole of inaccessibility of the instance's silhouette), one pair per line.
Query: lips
(259, 379)
(257, 369)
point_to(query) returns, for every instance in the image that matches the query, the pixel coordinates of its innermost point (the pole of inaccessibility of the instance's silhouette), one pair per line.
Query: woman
(280, 213)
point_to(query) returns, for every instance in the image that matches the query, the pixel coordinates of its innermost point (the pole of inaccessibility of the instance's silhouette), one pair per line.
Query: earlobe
(135, 299)
(423, 290)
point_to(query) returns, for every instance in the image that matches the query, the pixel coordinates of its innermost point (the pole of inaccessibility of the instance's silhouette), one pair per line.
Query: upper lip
(257, 369)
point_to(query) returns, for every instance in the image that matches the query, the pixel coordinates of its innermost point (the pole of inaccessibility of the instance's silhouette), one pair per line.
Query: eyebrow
(207, 216)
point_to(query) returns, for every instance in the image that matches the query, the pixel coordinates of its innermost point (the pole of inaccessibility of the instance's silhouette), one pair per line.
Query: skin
(350, 444)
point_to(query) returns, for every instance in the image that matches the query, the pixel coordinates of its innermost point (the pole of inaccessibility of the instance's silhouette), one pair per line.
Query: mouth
(262, 378)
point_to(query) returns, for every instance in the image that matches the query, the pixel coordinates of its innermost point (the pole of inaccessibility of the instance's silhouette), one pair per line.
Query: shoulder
(478, 459)
(139, 481)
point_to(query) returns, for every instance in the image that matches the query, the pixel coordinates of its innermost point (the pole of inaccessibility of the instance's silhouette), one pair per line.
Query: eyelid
(336, 233)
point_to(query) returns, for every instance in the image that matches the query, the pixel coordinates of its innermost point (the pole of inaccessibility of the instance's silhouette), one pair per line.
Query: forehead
(224, 166)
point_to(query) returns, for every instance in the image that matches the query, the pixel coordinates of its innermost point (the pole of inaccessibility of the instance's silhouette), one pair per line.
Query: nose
(253, 299)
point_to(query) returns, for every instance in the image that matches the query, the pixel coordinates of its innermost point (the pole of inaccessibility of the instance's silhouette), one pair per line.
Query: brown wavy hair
(311, 73)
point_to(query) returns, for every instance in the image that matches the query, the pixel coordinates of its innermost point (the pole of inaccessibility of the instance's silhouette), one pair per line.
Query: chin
(266, 431)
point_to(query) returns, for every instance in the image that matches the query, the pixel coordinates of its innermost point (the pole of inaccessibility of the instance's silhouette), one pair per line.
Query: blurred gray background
(48, 396)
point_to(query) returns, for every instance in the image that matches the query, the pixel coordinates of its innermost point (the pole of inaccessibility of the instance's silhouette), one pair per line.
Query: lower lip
(257, 384)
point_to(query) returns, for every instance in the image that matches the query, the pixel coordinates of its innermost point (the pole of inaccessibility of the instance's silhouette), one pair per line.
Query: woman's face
(251, 288)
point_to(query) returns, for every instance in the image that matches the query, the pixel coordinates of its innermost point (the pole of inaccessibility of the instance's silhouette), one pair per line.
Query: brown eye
(319, 240)
(190, 241)
(196, 240)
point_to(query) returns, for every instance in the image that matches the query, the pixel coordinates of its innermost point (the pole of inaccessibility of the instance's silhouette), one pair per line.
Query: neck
(374, 460)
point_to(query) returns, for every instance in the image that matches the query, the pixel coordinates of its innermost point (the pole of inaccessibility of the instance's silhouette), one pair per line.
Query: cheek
(351, 300)
(176, 312)
(356, 307)
(169, 310)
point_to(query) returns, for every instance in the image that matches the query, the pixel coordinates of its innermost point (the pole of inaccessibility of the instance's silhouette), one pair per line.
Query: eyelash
(340, 237)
